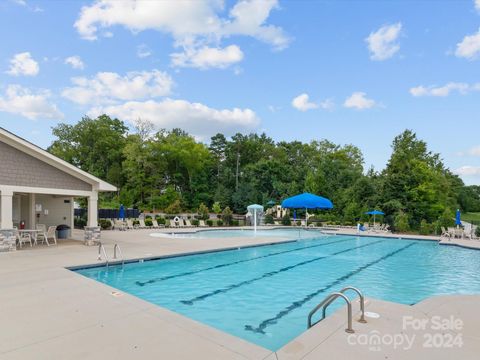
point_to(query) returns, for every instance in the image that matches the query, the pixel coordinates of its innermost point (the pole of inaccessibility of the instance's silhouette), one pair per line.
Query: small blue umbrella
(307, 201)
(121, 213)
(375, 213)
(458, 222)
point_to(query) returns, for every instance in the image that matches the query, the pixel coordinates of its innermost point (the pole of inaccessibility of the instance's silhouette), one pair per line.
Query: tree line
(170, 171)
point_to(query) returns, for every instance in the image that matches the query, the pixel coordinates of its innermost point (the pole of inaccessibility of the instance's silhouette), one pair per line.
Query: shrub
(136, 222)
(477, 231)
(209, 222)
(227, 216)
(286, 220)
(80, 223)
(105, 224)
(195, 222)
(219, 223)
(174, 208)
(269, 219)
(401, 222)
(148, 217)
(235, 223)
(298, 223)
(425, 228)
(217, 209)
(446, 219)
(160, 220)
(148, 221)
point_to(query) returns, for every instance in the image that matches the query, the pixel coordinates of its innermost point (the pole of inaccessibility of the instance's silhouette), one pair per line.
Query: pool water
(264, 294)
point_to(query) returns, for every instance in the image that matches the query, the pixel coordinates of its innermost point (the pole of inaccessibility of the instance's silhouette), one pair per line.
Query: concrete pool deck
(49, 312)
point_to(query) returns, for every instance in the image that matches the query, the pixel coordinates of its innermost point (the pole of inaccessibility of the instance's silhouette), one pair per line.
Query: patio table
(34, 233)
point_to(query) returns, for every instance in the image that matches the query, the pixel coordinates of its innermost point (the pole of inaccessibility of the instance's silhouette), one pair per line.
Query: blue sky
(349, 71)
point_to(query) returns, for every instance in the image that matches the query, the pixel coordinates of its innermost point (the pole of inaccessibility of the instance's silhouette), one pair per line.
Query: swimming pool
(295, 233)
(263, 294)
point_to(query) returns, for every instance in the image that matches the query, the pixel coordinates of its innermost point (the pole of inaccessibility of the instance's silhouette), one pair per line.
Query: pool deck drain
(49, 312)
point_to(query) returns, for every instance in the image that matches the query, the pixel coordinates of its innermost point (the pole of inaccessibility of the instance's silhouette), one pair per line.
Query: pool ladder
(330, 299)
(102, 251)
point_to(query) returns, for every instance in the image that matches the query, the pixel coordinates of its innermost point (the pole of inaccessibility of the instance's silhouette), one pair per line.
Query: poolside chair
(23, 238)
(41, 234)
(181, 223)
(129, 224)
(188, 223)
(167, 223)
(201, 223)
(142, 224)
(52, 234)
(120, 225)
(155, 224)
(445, 233)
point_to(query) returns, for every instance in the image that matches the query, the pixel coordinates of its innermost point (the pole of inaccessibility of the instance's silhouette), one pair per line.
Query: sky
(353, 72)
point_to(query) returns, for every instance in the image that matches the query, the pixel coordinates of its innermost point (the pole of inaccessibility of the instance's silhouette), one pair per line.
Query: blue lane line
(269, 274)
(168, 277)
(296, 304)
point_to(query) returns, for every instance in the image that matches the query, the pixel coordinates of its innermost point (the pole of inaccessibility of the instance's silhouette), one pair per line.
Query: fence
(108, 213)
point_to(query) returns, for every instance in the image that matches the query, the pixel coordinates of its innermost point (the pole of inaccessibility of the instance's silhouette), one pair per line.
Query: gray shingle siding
(20, 169)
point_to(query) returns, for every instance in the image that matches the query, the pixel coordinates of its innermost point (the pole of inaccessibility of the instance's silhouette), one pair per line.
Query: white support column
(93, 209)
(6, 210)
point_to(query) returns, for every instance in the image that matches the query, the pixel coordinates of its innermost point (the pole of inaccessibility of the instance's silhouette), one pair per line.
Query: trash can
(63, 231)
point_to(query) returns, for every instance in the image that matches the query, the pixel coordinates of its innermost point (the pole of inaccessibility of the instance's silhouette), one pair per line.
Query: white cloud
(143, 51)
(477, 5)
(358, 100)
(468, 170)
(25, 4)
(23, 64)
(33, 105)
(198, 119)
(302, 102)
(475, 151)
(445, 90)
(207, 57)
(108, 87)
(194, 25)
(469, 47)
(382, 43)
(327, 104)
(75, 62)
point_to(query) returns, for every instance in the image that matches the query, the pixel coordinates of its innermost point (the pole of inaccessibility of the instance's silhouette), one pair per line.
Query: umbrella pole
(306, 217)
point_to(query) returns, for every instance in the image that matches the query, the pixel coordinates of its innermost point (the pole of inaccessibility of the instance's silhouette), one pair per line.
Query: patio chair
(181, 223)
(120, 225)
(23, 238)
(167, 223)
(201, 223)
(155, 224)
(130, 224)
(188, 223)
(142, 224)
(41, 234)
(52, 234)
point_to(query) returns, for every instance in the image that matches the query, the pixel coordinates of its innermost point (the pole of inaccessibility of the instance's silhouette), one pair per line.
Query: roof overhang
(43, 155)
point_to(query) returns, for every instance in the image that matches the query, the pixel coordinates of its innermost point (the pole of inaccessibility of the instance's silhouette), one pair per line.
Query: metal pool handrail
(327, 301)
(115, 248)
(101, 249)
(362, 303)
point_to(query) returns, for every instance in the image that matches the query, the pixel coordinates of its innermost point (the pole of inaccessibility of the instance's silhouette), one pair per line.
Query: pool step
(330, 299)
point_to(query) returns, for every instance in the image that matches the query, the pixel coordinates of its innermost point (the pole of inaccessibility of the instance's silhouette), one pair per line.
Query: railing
(115, 248)
(101, 250)
(330, 299)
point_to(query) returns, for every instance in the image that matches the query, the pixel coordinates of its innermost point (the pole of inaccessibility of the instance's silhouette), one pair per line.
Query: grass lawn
(471, 217)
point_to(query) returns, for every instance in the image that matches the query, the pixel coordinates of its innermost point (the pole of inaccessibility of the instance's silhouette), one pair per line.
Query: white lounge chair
(120, 225)
(155, 224)
(201, 223)
(180, 223)
(188, 223)
(142, 224)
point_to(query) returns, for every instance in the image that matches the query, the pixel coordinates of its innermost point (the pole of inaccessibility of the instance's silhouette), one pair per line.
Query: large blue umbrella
(374, 213)
(121, 212)
(307, 201)
(458, 222)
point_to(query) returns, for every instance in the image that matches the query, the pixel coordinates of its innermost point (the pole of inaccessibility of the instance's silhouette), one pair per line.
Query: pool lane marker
(271, 273)
(260, 329)
(168, 277)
